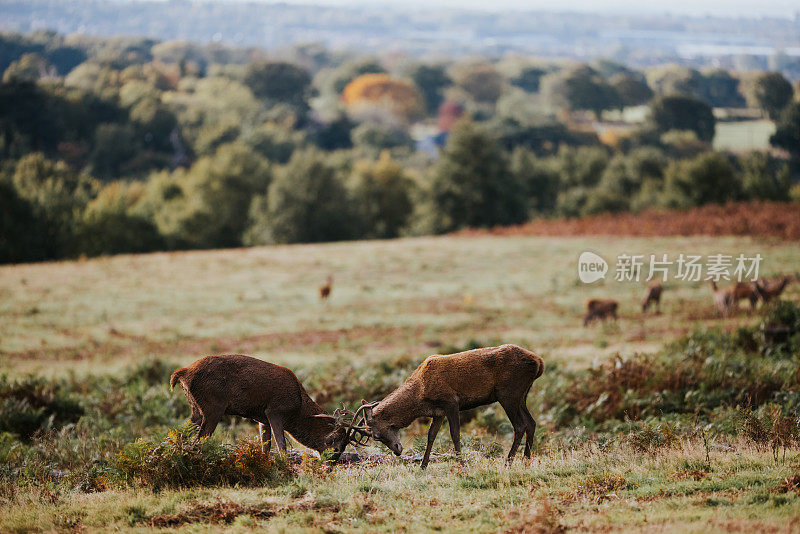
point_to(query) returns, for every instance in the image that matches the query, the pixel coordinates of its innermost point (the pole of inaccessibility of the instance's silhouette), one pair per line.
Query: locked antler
(356, 427)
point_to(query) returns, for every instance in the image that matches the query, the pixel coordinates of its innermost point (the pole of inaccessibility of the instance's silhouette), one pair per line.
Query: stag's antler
(356, 426)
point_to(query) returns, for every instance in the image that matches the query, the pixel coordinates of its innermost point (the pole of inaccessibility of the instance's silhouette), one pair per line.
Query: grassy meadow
(743, 135)
(105, 333)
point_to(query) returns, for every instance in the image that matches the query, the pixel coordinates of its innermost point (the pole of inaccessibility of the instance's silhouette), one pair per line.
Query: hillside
(756, 219)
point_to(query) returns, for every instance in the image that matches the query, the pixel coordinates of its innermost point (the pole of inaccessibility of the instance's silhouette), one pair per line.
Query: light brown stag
(723, 299)
(771, 289)
(745, 290)
(442, 386)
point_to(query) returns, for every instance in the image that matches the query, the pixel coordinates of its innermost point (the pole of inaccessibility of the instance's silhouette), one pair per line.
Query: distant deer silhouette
(723, 299)
(325, 291)
(653, 296)
(771, 289)
(600, 309)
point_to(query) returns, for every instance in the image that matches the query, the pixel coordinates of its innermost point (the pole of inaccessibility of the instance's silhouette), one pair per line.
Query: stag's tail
(532, 359)
(540, 370)
(176, 376)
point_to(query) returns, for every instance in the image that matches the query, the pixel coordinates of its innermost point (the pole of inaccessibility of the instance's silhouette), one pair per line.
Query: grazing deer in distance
(263, 392)
(653, 296)
(443, 386)
(600, 309)
(745, 290)
(770, 289)
(325, 291)
(723, 299)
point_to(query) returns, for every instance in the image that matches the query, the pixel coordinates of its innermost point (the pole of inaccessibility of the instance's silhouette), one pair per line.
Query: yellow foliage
(400, 97)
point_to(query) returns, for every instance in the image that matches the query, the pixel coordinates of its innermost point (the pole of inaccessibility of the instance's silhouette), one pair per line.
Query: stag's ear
(368, 414)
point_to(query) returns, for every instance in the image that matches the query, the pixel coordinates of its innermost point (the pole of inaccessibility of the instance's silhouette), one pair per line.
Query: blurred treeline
(129, 144)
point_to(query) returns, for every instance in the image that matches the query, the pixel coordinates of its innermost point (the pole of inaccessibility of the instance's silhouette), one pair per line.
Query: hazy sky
(755, 8)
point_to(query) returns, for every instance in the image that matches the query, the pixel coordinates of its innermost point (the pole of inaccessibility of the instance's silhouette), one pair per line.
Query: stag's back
(243, 385)
(476, 375)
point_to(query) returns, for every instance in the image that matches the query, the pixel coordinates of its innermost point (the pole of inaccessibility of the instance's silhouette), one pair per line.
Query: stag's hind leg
(197, 417)
(517, 421)
(530, 429)
(211, 419)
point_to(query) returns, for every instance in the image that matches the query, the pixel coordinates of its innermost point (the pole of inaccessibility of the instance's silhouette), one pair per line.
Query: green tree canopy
(709, 178)
(772, 92)
(582, 88)
(631, 88)
(57, 195)
(22, 237)
(765, 177)
(382, 193)
(431, 81)
(787, 133)
(683, 113)
(472, 183)
(206, 206)
(540, 180)
(306, 203)
(278, 81)
(480, 81)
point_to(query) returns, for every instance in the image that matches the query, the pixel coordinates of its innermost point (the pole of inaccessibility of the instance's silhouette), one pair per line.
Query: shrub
(707, 179)
(30, 404)
(181, 459)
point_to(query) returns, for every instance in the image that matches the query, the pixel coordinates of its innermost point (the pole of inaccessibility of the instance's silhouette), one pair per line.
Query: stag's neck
(308, 429)
(404, 405)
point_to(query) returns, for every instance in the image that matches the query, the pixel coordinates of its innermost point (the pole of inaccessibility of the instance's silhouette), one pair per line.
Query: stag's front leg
(436, 424)
(276, 423)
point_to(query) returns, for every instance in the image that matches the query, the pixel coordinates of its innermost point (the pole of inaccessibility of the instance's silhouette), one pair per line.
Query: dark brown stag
(600, 309)
(325, 290)
(263, 392)
(653, 297)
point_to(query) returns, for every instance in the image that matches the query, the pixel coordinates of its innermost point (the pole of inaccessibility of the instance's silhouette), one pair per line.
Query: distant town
(737, 43)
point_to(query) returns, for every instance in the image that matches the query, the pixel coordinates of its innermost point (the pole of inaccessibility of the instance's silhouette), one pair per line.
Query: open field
(743, 135)
(393, 303)
(390, 299)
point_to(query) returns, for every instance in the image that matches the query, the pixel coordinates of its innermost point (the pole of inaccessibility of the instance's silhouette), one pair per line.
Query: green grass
(395, 298)
(90, 329)
(579, 489)
(744, 135)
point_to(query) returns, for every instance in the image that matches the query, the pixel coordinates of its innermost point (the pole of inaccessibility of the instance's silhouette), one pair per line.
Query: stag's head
(381, 429)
